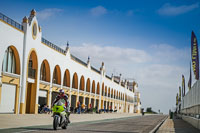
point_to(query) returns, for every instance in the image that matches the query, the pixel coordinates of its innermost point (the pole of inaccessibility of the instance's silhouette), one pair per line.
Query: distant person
(142, 111)
(90, 107)
(46, 109)
(79, 107)
(83, 107)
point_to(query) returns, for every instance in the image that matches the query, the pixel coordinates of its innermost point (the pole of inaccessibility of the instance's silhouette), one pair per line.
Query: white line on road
(26, 131)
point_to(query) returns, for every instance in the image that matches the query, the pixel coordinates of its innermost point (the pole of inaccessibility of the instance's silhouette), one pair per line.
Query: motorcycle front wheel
(55, 122)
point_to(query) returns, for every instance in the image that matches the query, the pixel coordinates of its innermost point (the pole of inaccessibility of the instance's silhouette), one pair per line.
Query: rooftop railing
(95, 69)
(78, 60)
(53, 46)
(108, 77)
(11, 21)
(116, 81)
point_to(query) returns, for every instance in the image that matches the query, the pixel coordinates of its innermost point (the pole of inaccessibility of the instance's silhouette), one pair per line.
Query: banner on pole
(190, 79)
(195, 56)
(183, 86)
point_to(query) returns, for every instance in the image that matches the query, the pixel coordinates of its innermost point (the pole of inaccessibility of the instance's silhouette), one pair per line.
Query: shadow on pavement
(26, 129)
(90, 131)
(180, 126)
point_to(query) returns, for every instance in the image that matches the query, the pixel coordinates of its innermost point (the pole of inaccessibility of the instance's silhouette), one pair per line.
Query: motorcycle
(60, 116)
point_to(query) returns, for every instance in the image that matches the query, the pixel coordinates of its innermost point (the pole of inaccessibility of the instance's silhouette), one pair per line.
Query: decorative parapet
(11, 22)
(55, 47)
(78, 60)
(94, 69)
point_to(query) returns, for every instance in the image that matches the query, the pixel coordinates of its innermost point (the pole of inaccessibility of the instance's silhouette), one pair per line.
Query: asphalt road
(136, 124)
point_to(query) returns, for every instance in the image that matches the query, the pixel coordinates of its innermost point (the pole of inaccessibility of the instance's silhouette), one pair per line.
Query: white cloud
(116, 55)
(47, 13)
(170, 10)
(98, 11)
(169, 54)
(158, 85)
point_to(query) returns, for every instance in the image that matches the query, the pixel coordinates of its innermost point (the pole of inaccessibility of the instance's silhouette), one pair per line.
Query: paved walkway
(177, 126)
(14, 121)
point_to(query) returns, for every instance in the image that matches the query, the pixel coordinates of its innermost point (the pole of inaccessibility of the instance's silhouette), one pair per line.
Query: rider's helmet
(61, 91)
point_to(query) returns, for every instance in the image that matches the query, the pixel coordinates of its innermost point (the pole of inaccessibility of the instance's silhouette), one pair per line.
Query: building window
(9, 61)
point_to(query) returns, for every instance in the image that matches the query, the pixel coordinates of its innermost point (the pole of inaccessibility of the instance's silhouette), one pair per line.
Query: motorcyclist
(67, 104)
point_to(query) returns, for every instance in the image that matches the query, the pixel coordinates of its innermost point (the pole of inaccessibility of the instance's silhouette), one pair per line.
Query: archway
(75, 81)
(66, 81)
(43, 94)
(82, 83)
(56, 75)
(31, 86)
(98, 90)
(88, 85)
(105, 91)
(11, 61)
(45, 71)
(9, 91)
(102, 89)
(93, 86)
(109, 92)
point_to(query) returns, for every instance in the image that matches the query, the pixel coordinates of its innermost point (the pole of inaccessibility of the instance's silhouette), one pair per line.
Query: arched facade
(36, 77)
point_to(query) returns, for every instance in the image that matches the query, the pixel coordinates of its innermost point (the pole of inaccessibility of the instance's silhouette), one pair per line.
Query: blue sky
(149, 41)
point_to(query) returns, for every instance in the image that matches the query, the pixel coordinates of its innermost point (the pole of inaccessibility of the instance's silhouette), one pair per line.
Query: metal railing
(11, 21)
(53, 46)
(95, 69)
(108, 77)
(78, 60)
(192, 98)
(31, 72)
(116, 81)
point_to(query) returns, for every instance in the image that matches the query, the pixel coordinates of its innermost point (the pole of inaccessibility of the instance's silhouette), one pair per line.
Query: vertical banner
(179, 93)
(190, 79)
(177, 99)
(195, 56)
(183, 85)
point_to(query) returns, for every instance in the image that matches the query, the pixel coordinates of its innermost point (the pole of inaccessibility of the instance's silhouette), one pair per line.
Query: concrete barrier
(193, 121)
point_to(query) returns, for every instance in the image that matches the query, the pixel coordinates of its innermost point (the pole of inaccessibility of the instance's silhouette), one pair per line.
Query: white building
(33, 70)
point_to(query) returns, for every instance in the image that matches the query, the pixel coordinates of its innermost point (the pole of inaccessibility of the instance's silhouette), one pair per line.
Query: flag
(195, 55)
(177, 99)
(190, 79)
(179, 93)
(183, 85)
